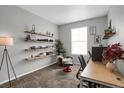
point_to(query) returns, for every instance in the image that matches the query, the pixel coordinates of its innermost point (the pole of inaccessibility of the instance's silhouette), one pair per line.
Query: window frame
(79, 41)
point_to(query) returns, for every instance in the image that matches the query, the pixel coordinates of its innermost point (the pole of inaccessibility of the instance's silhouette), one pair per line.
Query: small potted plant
(113, 53)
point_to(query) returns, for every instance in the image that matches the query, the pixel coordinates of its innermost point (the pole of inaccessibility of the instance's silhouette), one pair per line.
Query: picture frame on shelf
(33, 28)
(92, 30)
(97, 39)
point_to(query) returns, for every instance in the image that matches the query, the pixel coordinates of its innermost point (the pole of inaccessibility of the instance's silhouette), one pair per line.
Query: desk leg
(88, 84)
(81, 83)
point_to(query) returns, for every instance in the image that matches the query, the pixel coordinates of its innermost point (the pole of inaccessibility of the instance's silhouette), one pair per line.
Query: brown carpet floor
(49, 77)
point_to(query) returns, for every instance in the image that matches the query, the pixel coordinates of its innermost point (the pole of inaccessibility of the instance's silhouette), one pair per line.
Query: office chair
(83, 65)
(90, 56)
(82, 61)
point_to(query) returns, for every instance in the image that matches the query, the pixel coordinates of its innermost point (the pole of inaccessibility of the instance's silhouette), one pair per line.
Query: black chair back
(90, 54)
(83, 65)
(82, 61)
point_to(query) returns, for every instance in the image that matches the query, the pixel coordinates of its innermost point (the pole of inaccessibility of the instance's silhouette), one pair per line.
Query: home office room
(59, 46)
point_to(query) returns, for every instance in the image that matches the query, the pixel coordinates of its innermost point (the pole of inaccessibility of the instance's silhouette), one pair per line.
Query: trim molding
(5, 81)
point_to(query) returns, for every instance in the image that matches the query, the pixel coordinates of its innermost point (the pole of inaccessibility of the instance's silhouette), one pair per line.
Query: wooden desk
(97, 73)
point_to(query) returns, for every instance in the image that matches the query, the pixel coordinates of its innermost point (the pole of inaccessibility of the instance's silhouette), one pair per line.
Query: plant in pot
(59, 47)
(109, 30)
(113, 53)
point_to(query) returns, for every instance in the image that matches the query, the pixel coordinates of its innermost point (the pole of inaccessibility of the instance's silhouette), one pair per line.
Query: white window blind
(79, 41)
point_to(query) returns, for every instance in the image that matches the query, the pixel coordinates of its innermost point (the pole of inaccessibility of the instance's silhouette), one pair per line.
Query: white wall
(116, 15)
(12, 22)
(65, 32)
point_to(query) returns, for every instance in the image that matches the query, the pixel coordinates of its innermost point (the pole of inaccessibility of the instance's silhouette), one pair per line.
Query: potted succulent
(109, 29)
(113, 53)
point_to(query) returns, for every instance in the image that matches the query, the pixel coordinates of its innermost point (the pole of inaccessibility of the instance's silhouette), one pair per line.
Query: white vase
(111, 66)
(120, 66)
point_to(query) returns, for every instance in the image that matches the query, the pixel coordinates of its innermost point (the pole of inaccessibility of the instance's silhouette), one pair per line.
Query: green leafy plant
(109, 30)
(59, 47)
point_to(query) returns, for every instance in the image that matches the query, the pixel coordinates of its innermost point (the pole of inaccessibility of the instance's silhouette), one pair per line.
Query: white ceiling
(63, 14)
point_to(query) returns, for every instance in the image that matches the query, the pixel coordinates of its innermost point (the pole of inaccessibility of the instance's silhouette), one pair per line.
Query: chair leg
(90, 84)
(78, 73)
(78, 86)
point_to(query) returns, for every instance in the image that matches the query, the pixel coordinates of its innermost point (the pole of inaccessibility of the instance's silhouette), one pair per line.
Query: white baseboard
(5, 81)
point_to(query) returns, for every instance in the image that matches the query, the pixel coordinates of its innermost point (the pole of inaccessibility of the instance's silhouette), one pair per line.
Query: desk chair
(83, 65)
(90, 56)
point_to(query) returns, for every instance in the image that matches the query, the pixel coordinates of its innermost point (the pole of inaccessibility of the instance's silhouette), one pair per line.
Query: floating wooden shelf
(40, 57)
(45, 50)
(107, 36)
(39, 41)
(37, 33)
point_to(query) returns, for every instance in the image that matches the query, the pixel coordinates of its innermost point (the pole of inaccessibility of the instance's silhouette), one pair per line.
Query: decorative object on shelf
(34, 48)
(92, 30)
(33, 28)
(7, 41)
(112, 53)
(49, 34)
(50, 40)
(27, 38)
(52, 35)
(36, 33)
(109, 29)
(33, 37)
(47, 51)
(46, 40)
(97, 39)
(32, 56)
(109, 32)
(39, 56)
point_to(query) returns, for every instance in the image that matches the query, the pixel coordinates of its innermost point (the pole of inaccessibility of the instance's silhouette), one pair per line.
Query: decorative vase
(119, 65)
(111, 66)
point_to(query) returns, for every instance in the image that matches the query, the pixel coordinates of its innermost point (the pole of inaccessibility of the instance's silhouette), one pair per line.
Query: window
(79, 41)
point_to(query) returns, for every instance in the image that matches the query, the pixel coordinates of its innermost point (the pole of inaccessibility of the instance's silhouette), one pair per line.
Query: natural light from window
(79, 41)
